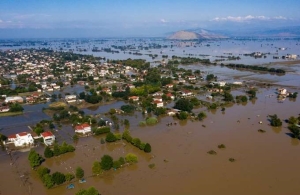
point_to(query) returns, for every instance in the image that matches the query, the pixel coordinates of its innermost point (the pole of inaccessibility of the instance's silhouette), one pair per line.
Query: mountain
(195, 34)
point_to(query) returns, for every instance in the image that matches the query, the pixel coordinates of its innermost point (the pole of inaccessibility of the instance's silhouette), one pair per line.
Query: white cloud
(247, 18)
(163, 20)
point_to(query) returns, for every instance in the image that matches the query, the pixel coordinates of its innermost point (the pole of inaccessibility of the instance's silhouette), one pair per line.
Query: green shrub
(131, 158)
(147, 148)
(151, 121)
(212, 152)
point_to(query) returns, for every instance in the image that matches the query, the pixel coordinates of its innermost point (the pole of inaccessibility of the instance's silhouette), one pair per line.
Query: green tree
(96, 169)
(147, 148)
(126, 135)
(275, 121)
(228, 97)
(58, 178)
(293, 120)
(128, 108)
(195, 101)
(48, 181)
(16, 107)
(42, 171)
(182, 115)
(79, 173)
(89, 191)
(56, 150)
(294, 130)
(106, 162)
(184, 105)
(69, 176)
(126, 123)
(136, 142)
(110, 137)
(48, 153)
(131, 158)
(201, 116)
(35, 159)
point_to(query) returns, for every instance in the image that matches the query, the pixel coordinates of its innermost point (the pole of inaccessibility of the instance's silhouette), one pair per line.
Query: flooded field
(266, 163)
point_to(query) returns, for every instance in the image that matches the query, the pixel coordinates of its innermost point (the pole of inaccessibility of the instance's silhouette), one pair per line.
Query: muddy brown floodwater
(266, 163)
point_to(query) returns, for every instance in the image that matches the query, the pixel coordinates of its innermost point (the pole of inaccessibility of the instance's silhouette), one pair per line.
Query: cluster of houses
(24, 139)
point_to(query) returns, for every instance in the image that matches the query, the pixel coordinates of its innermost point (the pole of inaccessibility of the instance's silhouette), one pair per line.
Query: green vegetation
(151, 121)
(295, 130)
(35, 159)
(136, 142)
(79, 173)
(151, 166)
(131, 158)
(252, 93)
(147, 148)
(221, 146)
(110, 137)
(293, 95)
(15, 107)
(106, 162)
(58, 178)
(212, 152)
(275, 121)
(48, 153)
(96, 169)
(228, 97)
(184, 105)
(231, 159)
(261, 130)
(61, 149)
(241, 98)
(128, 108)
(254, 67)
(182, 115)
(201, 116)
(89, 191)
(100, 130)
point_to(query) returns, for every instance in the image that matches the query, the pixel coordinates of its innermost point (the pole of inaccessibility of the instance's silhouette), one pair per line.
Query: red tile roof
(12, 136)
(23, 134)
(47, 134)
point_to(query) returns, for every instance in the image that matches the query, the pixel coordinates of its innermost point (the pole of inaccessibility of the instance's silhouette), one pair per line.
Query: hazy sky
(98, 18)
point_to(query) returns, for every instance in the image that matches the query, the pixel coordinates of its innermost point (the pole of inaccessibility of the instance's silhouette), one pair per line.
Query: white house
(83, 128)
(70, 98)
(282, 91)
(48, 137)
(134, 98)
(158, 103)
(186, 93)
(14, 99)
(21, 139)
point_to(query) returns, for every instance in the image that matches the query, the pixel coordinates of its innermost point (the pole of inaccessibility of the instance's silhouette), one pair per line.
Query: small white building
(83, 128)
(282, 91)
(159, 104)
(14, 99)
(48, 137)
(70, 98)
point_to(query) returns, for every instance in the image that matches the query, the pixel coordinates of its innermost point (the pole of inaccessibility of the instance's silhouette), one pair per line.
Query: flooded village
(145, 116)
